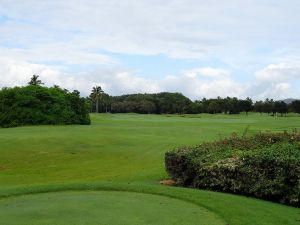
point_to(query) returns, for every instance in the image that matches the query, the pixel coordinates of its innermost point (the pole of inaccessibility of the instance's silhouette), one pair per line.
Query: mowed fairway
(124, 152)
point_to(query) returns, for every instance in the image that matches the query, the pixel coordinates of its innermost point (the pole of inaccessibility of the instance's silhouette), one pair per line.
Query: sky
(201, 48)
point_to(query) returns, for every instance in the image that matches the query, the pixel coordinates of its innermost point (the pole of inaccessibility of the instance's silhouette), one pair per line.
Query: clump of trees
(172, 103)
(270, 106)
(265, 166)
(140, 103)
(34, 104)
(223, 105)
(151, 103)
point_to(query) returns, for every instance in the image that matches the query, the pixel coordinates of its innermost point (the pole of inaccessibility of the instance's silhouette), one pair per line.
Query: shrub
(265, 166)
(34, 104)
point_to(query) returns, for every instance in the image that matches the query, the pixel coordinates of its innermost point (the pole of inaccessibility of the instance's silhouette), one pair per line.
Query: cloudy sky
(198, 47)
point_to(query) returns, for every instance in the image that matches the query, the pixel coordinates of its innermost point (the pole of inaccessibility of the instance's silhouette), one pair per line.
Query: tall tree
(96, 95)
(34, 80)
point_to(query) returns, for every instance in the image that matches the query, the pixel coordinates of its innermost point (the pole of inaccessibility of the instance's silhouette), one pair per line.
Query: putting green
(102, 208)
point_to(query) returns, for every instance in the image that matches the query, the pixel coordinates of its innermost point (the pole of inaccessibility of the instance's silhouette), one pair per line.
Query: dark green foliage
(268, 106)
(177, 103)
(258, 106)
(34, 104)
(164, 102)
(296, 106)
(280, 107)
(246, 105)
(265, 166)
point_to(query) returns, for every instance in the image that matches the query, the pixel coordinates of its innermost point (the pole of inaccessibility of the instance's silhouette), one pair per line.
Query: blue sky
(198, 47)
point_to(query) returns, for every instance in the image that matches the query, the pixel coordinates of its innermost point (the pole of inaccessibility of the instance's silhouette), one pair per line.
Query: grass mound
(101, 208)
(265, 166)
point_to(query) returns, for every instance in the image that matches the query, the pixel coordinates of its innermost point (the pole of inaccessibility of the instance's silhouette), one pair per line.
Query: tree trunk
(97, 110)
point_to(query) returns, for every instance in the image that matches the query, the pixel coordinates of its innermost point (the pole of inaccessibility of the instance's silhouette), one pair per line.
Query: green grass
(102, 208)
(125, 152)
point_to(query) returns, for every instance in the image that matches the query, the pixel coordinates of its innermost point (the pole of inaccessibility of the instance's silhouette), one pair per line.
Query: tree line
(34, 104)
(177, 103)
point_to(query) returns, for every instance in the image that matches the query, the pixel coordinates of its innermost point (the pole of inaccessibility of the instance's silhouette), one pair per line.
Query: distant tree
(258, 106)
(105, 102)
(234, 105)
(296, 106)
(131, 106)
(224, 103)
(166, 102)
(213, 107)
(280, 107)
(246, 105)
(96, 95)
(171, 102)
(195, 107)
(117, 107)
(146, 106)
(268, 106)
(204, 102)
(34, 80)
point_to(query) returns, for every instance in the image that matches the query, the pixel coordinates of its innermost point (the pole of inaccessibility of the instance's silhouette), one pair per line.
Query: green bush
(34, 104)
(265, 166)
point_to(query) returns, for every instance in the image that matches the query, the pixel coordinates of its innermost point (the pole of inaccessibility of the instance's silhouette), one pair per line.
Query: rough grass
(126, 152)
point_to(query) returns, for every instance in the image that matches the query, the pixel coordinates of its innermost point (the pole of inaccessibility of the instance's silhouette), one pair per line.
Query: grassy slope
(130, 148)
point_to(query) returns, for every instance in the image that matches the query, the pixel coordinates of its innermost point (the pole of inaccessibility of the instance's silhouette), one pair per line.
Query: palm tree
(96, 95)
(34, 80)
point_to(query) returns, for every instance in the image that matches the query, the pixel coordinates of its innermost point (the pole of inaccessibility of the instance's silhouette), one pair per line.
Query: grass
(125, 152)
(102, 208)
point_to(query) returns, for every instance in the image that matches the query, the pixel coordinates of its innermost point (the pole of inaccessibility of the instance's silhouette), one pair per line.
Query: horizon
(198, 48)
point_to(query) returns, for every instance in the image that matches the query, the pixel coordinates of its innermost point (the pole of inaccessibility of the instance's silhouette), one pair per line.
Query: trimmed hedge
(265, 166)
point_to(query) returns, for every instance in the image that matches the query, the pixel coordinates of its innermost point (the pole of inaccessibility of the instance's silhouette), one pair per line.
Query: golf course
(109, 172)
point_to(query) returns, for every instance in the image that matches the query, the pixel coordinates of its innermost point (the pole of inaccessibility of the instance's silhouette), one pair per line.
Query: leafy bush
(265, 166)
(35, 104)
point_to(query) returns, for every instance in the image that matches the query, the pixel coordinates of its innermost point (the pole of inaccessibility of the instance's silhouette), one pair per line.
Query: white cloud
(278, 81)
(209, 85)
(123, 82)
(17, 73)
(207, 72)
(118, 82)
(275, 73)
(272, 82)
(57, 52)
(228, 30)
